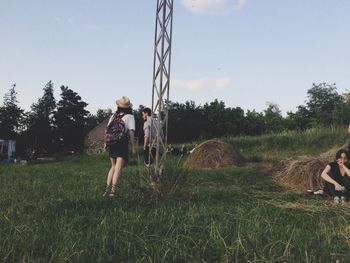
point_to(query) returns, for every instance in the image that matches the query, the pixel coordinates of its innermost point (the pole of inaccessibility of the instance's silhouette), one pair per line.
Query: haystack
(304, 172)
(330, 154)
(301, 173)
(213, 154)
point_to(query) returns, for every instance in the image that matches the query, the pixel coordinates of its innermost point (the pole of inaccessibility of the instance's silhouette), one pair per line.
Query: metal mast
(161, 76)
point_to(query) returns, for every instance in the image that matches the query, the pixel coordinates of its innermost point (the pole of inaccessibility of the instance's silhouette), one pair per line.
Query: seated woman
(336, 176)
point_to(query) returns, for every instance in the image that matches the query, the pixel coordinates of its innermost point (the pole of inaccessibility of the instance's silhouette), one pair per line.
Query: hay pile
(301, 173)
(304, 172)
(213, 154)
(330, 154)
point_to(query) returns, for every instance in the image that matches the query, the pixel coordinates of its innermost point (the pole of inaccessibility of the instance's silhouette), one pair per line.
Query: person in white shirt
(119, 151)
(150, 137)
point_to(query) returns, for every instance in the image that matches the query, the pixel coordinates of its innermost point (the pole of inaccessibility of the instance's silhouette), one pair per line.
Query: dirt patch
(213, 154)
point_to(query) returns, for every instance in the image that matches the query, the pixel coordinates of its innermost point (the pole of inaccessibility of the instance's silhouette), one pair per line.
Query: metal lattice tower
(161, 76)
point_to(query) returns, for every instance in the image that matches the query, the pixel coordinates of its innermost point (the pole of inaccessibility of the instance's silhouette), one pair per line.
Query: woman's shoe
(107, 191)
(112, 194)
(113, 191)
(319, 192)
(336, 199)
(343, 199)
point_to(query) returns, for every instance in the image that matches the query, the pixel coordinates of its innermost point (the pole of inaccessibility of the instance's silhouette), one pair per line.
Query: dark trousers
(146, 155)
(329, 188)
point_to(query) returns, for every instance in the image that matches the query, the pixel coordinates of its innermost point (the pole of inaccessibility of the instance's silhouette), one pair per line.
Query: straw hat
(124, 102)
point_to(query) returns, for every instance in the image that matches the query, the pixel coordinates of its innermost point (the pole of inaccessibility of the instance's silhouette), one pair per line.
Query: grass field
(54, 212)
(290, 143)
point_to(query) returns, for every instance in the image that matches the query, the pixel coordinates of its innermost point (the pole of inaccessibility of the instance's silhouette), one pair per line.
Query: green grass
(54, 212)
(279, 146)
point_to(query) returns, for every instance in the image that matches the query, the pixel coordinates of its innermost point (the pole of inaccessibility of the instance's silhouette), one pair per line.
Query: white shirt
(129, 121)
(147, 126)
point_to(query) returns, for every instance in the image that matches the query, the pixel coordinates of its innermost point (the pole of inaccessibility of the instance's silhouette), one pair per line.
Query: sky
(247, 53)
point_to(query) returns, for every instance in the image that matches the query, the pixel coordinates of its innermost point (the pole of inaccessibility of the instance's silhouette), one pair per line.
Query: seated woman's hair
(340, 152)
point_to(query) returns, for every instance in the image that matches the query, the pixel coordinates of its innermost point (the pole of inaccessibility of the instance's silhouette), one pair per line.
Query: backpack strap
(121, 114)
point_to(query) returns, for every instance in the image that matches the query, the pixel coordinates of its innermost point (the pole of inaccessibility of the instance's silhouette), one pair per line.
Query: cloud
(222, 83)
(58, 20)
(214, 7)
(72, 23)
(205, 84)
(240, 4)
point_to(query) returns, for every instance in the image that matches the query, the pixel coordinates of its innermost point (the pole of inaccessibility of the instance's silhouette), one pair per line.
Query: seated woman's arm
(346, 169)
(329, 179)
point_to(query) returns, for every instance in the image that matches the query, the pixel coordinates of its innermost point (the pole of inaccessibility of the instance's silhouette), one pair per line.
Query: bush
(168, 183)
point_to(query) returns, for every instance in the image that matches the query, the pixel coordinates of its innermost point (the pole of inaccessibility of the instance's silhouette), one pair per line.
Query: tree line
(54, 126)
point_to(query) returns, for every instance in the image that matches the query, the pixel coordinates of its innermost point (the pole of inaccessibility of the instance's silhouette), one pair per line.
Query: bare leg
(117, 172)
(110, 176)
(111, 171)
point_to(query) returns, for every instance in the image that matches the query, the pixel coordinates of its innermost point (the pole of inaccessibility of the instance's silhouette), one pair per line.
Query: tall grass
(279, 146)
(55, 212)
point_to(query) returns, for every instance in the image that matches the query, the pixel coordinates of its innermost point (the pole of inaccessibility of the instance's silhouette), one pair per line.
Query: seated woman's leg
(346, 183)
(329, 189)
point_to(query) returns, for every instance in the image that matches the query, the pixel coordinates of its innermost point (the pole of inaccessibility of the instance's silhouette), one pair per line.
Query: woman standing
(118, 148)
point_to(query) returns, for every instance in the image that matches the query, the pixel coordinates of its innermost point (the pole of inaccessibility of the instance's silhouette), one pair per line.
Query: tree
(234, 118)
(138, 123)
(70, 119)
(300, 120)
(215, 118)
(103, 114)
(41, 128)
(91, 120)
(186, 121)
(341, 111)
(254, 123)
(11, 116)
(322, 100)
(273, 118)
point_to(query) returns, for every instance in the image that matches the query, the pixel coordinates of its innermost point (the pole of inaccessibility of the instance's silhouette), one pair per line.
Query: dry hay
(330, 154)
(213, 154)
(304, 172)
(301, 173)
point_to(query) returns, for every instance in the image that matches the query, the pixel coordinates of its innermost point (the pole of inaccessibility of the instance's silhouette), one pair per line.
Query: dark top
(335, 173)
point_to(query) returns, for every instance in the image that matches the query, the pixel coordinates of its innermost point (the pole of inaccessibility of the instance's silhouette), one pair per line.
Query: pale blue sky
(244, 52)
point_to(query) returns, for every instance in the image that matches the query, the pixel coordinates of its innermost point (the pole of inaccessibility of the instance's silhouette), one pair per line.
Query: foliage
(322, 100)
(40, 121)
(163, 185)
(273, 118)
(70, 119)
(278, 146)
(254, 123)
(186, 121)
(63, 126)
(11, 115)
(103, 114)
(139, 123)
(300, 120)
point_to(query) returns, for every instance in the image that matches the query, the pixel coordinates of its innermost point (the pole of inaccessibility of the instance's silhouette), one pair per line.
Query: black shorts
(120, 149)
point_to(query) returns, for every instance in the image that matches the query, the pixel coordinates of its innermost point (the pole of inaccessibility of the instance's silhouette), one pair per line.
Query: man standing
(150, 132)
